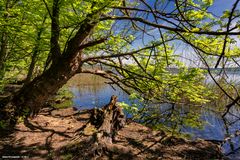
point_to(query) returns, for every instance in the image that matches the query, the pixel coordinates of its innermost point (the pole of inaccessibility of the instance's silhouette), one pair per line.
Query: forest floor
(53, 134)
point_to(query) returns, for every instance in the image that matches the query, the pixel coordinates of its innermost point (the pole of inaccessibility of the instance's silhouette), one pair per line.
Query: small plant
(3, 124)
(63, 99)
(131, 109)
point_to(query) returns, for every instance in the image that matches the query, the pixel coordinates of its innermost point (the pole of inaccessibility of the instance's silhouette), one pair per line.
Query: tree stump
(103, 126)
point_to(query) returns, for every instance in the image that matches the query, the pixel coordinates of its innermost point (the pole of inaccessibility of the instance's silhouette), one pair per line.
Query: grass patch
(63, 104)
(63, 99)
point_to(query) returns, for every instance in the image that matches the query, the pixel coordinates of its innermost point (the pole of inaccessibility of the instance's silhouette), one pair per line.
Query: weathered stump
(103, 126)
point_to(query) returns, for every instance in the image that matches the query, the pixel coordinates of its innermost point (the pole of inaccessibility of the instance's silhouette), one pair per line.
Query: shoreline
(52, 134)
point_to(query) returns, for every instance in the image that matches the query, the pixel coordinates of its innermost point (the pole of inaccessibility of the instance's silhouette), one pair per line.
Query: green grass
(63, 99)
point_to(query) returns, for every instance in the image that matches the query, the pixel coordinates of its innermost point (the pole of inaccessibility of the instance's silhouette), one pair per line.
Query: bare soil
(54, 134)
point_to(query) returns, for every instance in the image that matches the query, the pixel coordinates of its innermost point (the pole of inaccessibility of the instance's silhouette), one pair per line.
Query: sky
(182, 49)
(220, 5)
(186, 52)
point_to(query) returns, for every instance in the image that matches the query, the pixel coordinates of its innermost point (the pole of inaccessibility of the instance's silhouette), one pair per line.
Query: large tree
(136, 38)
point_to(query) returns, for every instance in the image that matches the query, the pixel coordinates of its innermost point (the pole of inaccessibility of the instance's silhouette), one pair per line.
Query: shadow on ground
(54, 134)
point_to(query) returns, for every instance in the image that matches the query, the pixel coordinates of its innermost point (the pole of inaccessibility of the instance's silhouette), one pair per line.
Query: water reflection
(92, 91)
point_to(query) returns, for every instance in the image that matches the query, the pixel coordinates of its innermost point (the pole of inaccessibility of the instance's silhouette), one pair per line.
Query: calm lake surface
(92, 91)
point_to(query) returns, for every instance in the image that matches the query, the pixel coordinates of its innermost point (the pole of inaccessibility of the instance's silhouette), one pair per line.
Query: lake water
(91, 91)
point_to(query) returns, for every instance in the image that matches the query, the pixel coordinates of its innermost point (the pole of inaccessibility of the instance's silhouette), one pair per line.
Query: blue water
(92, 95)
(86, 96)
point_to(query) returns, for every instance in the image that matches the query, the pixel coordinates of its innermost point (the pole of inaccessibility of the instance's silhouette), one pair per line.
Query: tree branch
(55, 32)
(124, 54)
(226, 36)
(49, 12)
(93, 43)
(141, 20)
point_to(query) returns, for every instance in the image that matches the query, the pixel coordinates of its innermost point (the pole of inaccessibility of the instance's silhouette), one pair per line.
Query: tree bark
(106, 122)
(4, 43)
(33, 95)
(35, 53)
(55, 51)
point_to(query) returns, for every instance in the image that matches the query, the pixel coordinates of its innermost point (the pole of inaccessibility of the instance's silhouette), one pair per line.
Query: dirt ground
(54, 134)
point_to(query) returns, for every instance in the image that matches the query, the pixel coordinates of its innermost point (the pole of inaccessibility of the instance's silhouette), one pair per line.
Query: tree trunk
(4, 43)
(33, 95)
(31, 67)
(35, 53)
(104, 124)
